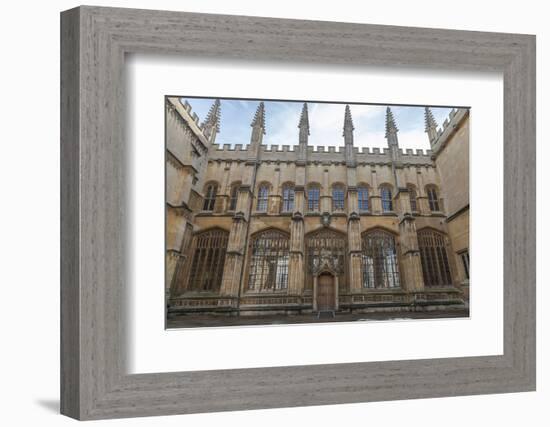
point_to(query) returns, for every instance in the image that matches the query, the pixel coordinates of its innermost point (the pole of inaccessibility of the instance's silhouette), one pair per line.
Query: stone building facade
(258, 230)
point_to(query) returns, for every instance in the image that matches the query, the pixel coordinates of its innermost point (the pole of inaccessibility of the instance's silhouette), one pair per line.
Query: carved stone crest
(297, 216)
(325, 219)
(354, 216)
(326, 260)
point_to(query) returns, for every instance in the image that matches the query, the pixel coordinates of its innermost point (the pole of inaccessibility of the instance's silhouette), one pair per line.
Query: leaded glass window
(208, 248)
(433, 254)
(233, 197)
(387, 202)
(363, 199)
(313, 193)
(412, 198)
(433, 200)
(263, 193)
(379, 263)
(288, 198)
(338, 198)
(269, 261)
(210, 197)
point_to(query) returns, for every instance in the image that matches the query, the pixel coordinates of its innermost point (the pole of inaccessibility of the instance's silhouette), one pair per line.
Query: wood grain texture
(95, 238)
(70, 314)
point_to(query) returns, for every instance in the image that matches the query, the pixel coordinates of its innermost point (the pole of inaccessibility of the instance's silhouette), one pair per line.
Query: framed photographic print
(281, 213)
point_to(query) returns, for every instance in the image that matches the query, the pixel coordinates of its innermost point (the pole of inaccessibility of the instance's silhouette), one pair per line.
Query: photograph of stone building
(306, 232)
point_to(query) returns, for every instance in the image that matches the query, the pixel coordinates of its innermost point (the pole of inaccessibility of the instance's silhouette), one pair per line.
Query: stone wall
(453, 167)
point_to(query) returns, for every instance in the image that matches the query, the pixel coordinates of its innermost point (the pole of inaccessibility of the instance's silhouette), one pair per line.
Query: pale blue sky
(325, 121)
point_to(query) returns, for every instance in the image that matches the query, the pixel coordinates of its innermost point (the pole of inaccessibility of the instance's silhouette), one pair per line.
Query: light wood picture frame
(94, 379)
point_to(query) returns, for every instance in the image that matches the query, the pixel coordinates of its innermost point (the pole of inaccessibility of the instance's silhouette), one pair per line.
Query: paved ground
(196, 320)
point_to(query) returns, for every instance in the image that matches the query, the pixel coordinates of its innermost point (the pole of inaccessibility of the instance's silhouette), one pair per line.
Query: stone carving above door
(326, 250)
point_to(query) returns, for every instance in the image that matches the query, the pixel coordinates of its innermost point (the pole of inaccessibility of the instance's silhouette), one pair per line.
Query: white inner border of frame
(151, 348)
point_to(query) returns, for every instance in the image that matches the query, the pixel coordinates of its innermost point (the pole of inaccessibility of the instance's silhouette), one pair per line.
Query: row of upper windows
(313, 198)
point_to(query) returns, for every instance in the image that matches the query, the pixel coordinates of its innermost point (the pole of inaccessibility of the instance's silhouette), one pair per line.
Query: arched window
(433, 200)
(380, 268)
(363, 198)
(263, 193)
(313, 193)
(338, 197)
(412, 197)
(210, 197)
(288, 198)
(387, 202)
(208, 248)
(433, 254)
(233, 197)
(269, 261)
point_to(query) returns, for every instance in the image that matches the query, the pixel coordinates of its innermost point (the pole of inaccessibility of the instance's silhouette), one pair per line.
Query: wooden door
(325, 293)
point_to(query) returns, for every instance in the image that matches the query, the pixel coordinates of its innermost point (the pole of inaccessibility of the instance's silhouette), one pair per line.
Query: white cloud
(283, 128)
(369, 139)
(414, 139)
(327, 122)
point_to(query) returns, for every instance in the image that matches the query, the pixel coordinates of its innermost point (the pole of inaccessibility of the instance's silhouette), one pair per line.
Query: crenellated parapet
(450, 124)
(329, 154)
(230, 148)
(188, 117)
(278, 148)
(227, 152)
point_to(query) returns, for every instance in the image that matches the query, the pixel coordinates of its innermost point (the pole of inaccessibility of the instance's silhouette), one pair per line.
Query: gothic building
(258, 230)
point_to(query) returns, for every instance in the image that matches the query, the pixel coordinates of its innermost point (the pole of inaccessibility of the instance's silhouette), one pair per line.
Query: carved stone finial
(391, 127)
(348, 138)
(213, 117)
(431, 125)
(304, 119)
(211, 124)
(348, 122)
(303, 136)
(429, 119)
(259, 117)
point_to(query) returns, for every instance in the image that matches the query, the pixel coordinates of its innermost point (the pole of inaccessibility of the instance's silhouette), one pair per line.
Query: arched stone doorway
(325, 291)
(326, 251)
